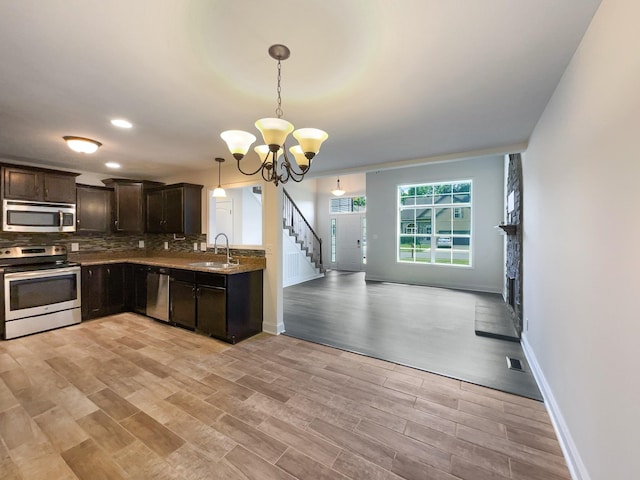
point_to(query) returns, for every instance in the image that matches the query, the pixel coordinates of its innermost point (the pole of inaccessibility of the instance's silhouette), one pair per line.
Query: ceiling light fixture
(121, 123)
(338, 192)
(81, 144)
(219, 192)
(274, 133)
(112, 165)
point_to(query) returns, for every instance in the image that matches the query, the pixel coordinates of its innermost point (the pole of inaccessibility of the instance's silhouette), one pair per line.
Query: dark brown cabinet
(93, 209)
(40, 185)
(128, 210)
(182, 298)
(103, 290)
(227, 307)
(174, 209)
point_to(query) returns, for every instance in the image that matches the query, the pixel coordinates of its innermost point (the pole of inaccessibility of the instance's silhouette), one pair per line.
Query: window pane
(407, 201)
(462, 220)
(406, 252)
(443, 220)
(443, 256)
(439, 199)
(461, 258)
(423, 220)
(462, 187)
(424, 200)
(461, 198)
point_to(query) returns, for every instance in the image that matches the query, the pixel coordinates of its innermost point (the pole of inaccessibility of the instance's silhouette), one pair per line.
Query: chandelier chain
(279, 108)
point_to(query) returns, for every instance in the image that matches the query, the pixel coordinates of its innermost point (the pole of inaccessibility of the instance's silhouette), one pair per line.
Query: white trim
(273, 329)
(577, 469)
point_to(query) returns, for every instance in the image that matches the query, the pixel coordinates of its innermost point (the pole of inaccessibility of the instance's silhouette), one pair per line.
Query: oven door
(38, 292)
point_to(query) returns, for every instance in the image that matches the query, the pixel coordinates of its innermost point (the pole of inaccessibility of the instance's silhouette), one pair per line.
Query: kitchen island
(201, 292)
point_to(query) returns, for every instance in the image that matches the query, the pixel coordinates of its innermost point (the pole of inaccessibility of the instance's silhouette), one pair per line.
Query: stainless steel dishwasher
(158, 293)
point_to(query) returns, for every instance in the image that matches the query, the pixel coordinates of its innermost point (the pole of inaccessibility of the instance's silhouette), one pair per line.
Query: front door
(350, 241)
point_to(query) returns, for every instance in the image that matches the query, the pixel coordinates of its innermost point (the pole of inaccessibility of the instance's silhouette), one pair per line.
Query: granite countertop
(182, 261)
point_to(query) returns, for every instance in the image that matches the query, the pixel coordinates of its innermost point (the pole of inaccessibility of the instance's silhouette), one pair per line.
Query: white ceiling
(390, 81)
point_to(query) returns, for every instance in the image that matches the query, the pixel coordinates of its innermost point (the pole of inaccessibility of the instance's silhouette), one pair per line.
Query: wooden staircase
(298, 227)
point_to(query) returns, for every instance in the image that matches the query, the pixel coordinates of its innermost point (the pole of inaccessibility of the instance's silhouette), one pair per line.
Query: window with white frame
(434, 223)
(348, 204)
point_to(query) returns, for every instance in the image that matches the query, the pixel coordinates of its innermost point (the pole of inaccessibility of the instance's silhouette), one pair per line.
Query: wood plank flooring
(428, 328)
(126, 397)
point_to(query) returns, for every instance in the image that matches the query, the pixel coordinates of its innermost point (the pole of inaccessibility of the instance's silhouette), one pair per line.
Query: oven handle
(60, 219)
(41, 273)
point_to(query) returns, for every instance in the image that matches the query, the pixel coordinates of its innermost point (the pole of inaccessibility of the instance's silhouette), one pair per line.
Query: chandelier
(274, 133)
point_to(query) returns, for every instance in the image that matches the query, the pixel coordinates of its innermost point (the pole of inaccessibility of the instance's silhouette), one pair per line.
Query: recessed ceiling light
(112, 165)
(121, 123)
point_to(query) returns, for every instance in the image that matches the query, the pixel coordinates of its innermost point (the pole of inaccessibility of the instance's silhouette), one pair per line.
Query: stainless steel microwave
(21, 216)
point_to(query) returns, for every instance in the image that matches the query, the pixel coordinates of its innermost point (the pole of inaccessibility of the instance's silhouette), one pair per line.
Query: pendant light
(338, 192)
(219, 192)
(274, 133)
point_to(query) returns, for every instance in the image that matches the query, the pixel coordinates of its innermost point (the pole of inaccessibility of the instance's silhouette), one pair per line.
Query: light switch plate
(195, 246)
(75, 246)
(203, 246)
(140, 243)
(166, 245)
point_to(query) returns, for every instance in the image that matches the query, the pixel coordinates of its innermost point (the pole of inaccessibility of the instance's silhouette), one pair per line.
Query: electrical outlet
(75, 247)
(203, 246)
(140, 243)
(195, 246)
(166, 245)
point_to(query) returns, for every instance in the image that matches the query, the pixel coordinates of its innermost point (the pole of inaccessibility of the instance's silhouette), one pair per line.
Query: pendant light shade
(274, 130)
(310, 140)
(238, 142)
(338, 192)
(301, 158)
(219, 192)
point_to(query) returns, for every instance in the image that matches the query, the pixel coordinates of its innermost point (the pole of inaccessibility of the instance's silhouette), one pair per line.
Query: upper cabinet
(174, 209)
(39, 185)
(93, 209)
(128, 204)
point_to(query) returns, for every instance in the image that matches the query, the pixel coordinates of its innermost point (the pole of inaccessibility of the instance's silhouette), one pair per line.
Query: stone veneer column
(514, 242)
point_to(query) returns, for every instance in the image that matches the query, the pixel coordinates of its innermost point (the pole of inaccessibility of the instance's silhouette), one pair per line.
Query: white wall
(487, 174)
(304, 195)
(581, 258)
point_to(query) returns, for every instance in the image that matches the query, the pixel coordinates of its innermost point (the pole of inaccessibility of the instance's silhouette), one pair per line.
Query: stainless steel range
(41, 289)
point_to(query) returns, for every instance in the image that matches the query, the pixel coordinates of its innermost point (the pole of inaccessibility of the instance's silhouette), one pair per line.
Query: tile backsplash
(120, 242)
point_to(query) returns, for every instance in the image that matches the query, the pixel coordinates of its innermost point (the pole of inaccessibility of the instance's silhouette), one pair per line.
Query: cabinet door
(59, 188)
(212, 311)
(93, 209)
(173, 210)
(94, 287)
(22, 184)
(182, 296)
(115, 301)
(155, 211)
(128, 208)
(140, 289)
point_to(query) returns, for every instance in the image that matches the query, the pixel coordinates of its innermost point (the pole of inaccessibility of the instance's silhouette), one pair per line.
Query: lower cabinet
(182, 298)
(103, 290)
(227, 307)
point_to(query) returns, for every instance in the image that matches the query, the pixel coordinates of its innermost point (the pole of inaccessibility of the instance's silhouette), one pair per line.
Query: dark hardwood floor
(428, 328)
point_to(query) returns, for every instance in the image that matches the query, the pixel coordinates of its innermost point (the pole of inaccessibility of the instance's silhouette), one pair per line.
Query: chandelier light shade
(81, 144)
(274, 133)
(338, 192)
(219, 192)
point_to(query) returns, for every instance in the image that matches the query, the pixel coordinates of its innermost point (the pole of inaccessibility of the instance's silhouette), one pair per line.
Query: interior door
(224, 218)
(350, 242)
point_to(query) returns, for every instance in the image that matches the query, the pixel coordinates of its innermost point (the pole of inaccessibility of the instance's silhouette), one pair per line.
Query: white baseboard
(273, 329)
(577, 468)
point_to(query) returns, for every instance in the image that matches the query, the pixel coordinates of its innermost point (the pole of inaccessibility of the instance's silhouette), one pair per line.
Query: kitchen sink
(213, 265)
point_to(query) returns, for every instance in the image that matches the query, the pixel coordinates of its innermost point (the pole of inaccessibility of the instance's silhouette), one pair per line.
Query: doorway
(349, 241)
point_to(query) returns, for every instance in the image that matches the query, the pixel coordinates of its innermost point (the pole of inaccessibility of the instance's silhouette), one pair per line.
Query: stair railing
(294, 220)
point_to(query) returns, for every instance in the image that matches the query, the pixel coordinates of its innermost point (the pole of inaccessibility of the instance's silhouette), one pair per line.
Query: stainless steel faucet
(215, 245)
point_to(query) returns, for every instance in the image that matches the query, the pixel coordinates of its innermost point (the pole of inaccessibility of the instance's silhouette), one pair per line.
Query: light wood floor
(128, 397)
